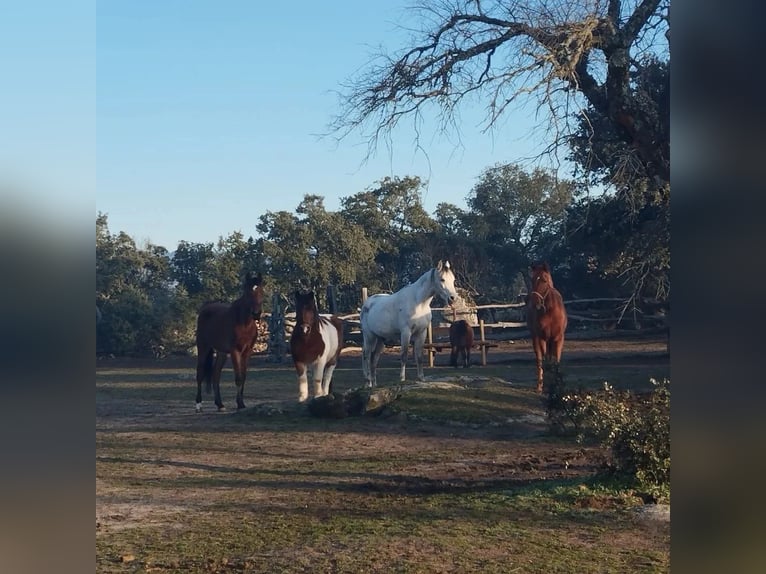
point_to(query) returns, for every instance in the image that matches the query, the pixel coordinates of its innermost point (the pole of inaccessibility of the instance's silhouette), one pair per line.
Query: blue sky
(207, 115)
(47, 111)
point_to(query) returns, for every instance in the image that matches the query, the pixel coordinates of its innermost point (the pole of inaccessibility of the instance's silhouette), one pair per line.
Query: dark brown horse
(546, 319)
(228, 329)
(315, 344)
(461, 341)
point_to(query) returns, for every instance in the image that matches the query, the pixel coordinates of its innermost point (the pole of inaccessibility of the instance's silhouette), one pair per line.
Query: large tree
(572, 55)
(597, 70)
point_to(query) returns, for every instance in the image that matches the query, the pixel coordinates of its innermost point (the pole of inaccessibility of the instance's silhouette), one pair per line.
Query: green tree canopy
(313, 248)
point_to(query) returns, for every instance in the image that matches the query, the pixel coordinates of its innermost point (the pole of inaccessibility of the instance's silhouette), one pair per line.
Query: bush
(635, 427)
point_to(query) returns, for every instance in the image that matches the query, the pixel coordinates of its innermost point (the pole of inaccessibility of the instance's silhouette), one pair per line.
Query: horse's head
(253, 293)
(542, 282)
(306, 311)
(444, 283)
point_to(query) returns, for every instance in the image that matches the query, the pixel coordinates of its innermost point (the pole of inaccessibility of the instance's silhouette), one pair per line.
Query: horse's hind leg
(418, 343)
(453, 356)
(554, 350)
(376, 351)
(368, 348)
(204, 372)
(220, 361)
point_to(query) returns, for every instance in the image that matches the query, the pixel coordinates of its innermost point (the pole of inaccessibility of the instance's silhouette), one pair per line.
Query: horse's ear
(258, 279)
(546, 267)
(439, 265)
(446, 264)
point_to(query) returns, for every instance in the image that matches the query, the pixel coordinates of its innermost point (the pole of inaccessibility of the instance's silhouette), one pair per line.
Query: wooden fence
(506, 319)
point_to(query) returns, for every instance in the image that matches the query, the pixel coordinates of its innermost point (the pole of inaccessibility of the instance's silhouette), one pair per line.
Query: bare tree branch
(506, 52)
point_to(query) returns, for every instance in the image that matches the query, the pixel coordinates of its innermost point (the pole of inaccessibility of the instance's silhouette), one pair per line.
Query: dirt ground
(624, 349)
(148, 434)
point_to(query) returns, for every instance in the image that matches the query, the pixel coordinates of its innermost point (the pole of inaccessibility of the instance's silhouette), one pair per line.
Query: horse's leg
(466, 356)
(239, 361)
(555, 350)
(375, 354)
(539, 346)
(367, 347)
(317, 372)
(204, 368)
(327, 379)
(303, 381)
(405, 348)
(453, 356)
(220, 361)
(420, 339)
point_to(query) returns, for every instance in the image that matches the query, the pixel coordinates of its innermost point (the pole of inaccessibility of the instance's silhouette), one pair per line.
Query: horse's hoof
(221, 408)
(198, 408)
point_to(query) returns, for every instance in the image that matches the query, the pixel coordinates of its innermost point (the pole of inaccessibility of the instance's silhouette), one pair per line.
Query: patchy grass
(464, 480)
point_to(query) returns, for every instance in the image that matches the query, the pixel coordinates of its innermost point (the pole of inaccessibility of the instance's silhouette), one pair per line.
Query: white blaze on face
(447, 283)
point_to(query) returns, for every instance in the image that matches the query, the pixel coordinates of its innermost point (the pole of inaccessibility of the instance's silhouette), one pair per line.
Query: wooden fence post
(482, 341)
(430, 348)
(331, 303)
(277, 339)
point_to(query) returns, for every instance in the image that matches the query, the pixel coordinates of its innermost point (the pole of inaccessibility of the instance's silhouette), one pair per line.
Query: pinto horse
(461, 341)
(404, 315)
(315, 344)
(546, 319)
(228, 329)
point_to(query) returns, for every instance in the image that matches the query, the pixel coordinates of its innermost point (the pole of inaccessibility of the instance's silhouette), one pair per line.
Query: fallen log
(362, 401)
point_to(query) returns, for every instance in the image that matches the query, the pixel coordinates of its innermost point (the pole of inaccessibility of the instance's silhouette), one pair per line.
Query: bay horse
(228, 329)
(403, 315)
(461, 341)
(315, 345)
(546, 318)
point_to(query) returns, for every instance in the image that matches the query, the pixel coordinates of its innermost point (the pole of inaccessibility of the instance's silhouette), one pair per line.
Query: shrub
(635, 427)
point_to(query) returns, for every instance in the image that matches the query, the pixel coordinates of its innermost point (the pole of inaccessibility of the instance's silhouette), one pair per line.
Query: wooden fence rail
(593, 316)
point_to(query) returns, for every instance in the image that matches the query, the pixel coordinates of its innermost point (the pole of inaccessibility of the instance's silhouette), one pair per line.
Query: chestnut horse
(228, 329)
(461, 341)
(546, 319)
(315, 344)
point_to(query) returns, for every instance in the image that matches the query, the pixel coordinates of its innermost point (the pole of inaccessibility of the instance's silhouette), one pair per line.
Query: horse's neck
(544, 289)
(424, 290)
(243, 309)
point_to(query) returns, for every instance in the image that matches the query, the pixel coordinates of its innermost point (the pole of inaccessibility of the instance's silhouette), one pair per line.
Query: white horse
(405, 315)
